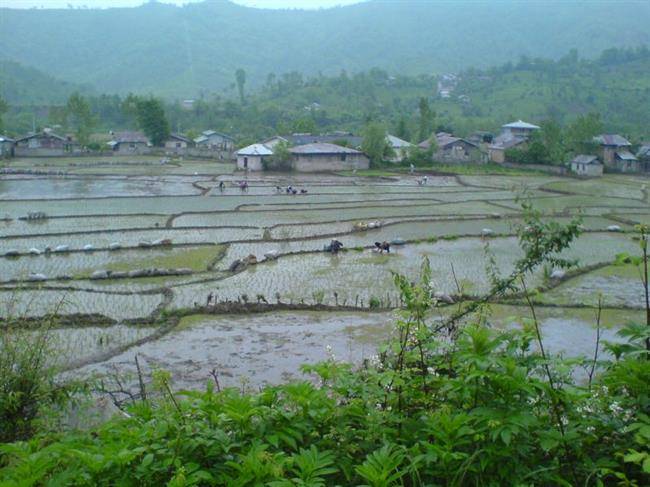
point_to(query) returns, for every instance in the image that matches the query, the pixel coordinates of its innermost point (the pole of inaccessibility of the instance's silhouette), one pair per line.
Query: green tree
(79, 117)
(402, 130)
(4, 108)
(281, 160)
(240, 77)
(581, 133)
(552, 138)
(374, 142)
(152, 121)
(426, 121)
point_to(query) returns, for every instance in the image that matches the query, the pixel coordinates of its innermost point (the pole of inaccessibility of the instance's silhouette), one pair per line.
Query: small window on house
(132, 145)
(344, 156)
(178, 145)
(245, 161)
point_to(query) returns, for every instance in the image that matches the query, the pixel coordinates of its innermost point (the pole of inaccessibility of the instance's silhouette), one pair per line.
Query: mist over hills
(192, 50)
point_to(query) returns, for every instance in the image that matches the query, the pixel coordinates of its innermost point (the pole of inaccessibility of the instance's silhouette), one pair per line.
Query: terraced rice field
(138, 240)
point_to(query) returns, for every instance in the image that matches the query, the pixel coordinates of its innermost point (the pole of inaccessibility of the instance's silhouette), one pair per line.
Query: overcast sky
(132, 3)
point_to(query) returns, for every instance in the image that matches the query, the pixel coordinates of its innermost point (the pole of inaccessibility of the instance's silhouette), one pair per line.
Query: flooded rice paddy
(134, 241)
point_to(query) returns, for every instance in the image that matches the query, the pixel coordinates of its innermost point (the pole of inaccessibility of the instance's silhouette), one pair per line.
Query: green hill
(22, 85)
(186, 51)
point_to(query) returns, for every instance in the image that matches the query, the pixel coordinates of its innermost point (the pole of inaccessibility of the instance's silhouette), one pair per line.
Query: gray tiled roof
(585, 159)
(612, 139)
(625, 155)
(322, 148)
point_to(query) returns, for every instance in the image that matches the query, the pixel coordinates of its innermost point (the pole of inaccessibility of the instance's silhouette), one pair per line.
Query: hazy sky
(132, 3)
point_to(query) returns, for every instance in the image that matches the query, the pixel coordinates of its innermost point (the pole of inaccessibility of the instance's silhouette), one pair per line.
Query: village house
(400, 148)
(514, 134)
(212, 140)
(643, 156)
(6, 146)
(615, 152)
(130, 143)
(338, 138)
(45, 144)
(327, 157)
(177, 144)
(453, 149)
(586, 165)
(251, 158)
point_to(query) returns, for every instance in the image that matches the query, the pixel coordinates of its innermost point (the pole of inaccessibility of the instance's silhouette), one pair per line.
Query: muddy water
(270, 348)
(260, 349)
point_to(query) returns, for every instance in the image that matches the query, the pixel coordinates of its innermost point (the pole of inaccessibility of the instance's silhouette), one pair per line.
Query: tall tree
(581, 132)
(240, 76)
(152, 120)
(402, 130)
(79, 117)
(426, 121)
(374, 142)
(4, 108)
(552, 139)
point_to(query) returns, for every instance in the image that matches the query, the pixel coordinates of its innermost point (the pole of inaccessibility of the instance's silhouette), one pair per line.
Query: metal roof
(625, 155)
(520, 124)
(255, 150)
(612, 139)
(4, 138)
(507, 141)
(180, 137)
(396, 142)
(585, 159)
(45, 133)
(129, 138)
(322, 148)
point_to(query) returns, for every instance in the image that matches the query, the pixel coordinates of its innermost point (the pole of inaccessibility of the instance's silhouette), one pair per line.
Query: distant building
(322, 157)
(643, 156)
(6, 146)
(587, 165)
(400, 148)
(45, 144)
(252, 158)
(453, 149)
(514, 134)
(339, 138)
(178, 144)
(615, 151)
(187, 104)
(519, 128)
(215, 141)
(130, 143)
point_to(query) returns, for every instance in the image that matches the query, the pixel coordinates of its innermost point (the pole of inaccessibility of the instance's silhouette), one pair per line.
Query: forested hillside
(616, 85)
(22, 85)
(186, 51)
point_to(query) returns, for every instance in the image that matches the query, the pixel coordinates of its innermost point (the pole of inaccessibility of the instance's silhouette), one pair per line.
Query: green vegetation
(171, 51)
(442, 404)
(196, 259)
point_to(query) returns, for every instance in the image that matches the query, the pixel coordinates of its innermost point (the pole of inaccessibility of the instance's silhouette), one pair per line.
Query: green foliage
(3, 109)
(581, 131)
(150, 115)
(426, 120)
(374, 144)
(281, 160)
(443, 403)
(79, 117)
(29, 393)
(240, 77)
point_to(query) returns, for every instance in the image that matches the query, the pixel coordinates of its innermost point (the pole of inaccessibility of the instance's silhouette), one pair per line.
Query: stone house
(615, 152)
(400, 148)
(6, 146)
(338, 138)
(45, 144)
(130, 143)
(514, 134)
(587, 165)
(211, 140)
(643, 156)
(251, 158)
(321, 157)
(178, 144)
(453, 149)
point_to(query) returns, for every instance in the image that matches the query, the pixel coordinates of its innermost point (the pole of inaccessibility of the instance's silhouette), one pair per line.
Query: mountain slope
(183, 51)
(22, 85)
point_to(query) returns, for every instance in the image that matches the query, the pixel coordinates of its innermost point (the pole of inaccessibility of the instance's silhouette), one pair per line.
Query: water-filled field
(135, 241)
